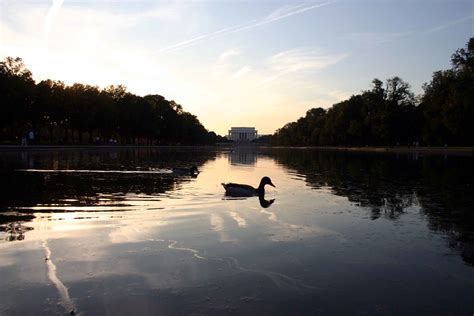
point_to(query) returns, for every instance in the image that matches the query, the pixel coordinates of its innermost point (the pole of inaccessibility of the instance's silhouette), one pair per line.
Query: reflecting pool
(116, 232)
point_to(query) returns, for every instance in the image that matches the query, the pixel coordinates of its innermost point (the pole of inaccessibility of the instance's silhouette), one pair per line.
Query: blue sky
(237, 63)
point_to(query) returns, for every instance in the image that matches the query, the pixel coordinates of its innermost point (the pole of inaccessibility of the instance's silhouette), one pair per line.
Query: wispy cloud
(285, 10)
(52, 13)
(338, 95)
(368, 38)
(225, 56)
(241, 72)
(299, 60)
(170, 12)
(278, 14)
(451, 23)
(371, 38)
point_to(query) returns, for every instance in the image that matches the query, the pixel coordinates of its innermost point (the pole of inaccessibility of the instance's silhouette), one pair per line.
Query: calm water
(112, 232)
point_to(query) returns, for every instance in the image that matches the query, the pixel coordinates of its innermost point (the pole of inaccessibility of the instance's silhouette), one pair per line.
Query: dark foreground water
(112, 232)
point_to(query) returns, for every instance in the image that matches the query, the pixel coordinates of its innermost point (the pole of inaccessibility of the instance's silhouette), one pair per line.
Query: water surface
(114, 232)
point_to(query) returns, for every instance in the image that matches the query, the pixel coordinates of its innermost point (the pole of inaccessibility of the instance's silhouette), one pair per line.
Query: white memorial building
(242, 134)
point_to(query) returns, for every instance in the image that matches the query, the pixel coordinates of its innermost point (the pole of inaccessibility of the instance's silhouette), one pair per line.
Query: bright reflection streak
(193, 251)
(157, 171)
(240, 220)
(74, 208)
(65, 299)
(217, 224)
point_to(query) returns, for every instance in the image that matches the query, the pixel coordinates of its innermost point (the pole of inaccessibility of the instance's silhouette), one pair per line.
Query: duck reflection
(265, 203)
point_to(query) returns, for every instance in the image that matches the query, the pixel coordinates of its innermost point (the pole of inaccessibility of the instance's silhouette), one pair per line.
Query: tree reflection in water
(15, 230)
(30, 189)
(388, 184)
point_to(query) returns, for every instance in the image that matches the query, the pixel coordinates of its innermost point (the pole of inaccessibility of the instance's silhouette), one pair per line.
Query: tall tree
(16, 92)
(448, 102)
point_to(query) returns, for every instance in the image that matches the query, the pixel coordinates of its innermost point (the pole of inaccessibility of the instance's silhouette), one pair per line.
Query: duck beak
(272, 185)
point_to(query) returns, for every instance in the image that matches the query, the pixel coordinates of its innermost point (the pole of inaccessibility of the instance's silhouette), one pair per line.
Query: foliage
(86, 114)
(389, 114)
(447, 104)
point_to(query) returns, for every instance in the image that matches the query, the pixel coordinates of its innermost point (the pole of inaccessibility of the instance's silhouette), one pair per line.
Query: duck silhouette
(243, 190)
(192, 171)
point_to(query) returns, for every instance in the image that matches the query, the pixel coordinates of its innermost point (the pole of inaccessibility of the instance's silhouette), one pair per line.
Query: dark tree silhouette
(448, 102)
(85, 114)
(389, 114)
(16, 95)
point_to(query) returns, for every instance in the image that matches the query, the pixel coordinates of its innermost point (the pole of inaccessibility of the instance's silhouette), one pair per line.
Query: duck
(192, 171)
(236, 189)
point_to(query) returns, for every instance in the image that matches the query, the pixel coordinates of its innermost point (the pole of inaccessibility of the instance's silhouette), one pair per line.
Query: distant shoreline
(75, 147)
(399, 149)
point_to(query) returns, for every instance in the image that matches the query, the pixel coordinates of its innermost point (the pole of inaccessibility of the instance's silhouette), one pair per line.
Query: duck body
(236, 189)
(193, 171)
(243, 190)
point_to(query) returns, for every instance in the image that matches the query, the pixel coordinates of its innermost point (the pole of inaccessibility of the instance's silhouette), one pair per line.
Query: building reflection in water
(243, 157)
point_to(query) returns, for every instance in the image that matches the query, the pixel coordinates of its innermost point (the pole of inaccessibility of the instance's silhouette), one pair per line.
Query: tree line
(389, 114)
(86, 114)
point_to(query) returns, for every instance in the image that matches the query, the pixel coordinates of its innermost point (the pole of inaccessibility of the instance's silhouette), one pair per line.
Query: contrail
(273, 17)
(52, 13)
(449, 24)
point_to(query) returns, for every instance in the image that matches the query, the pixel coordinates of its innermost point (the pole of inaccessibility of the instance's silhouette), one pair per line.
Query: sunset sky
(237, 63)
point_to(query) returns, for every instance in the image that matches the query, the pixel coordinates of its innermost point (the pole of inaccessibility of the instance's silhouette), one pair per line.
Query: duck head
(263, 182)
(266, 180)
